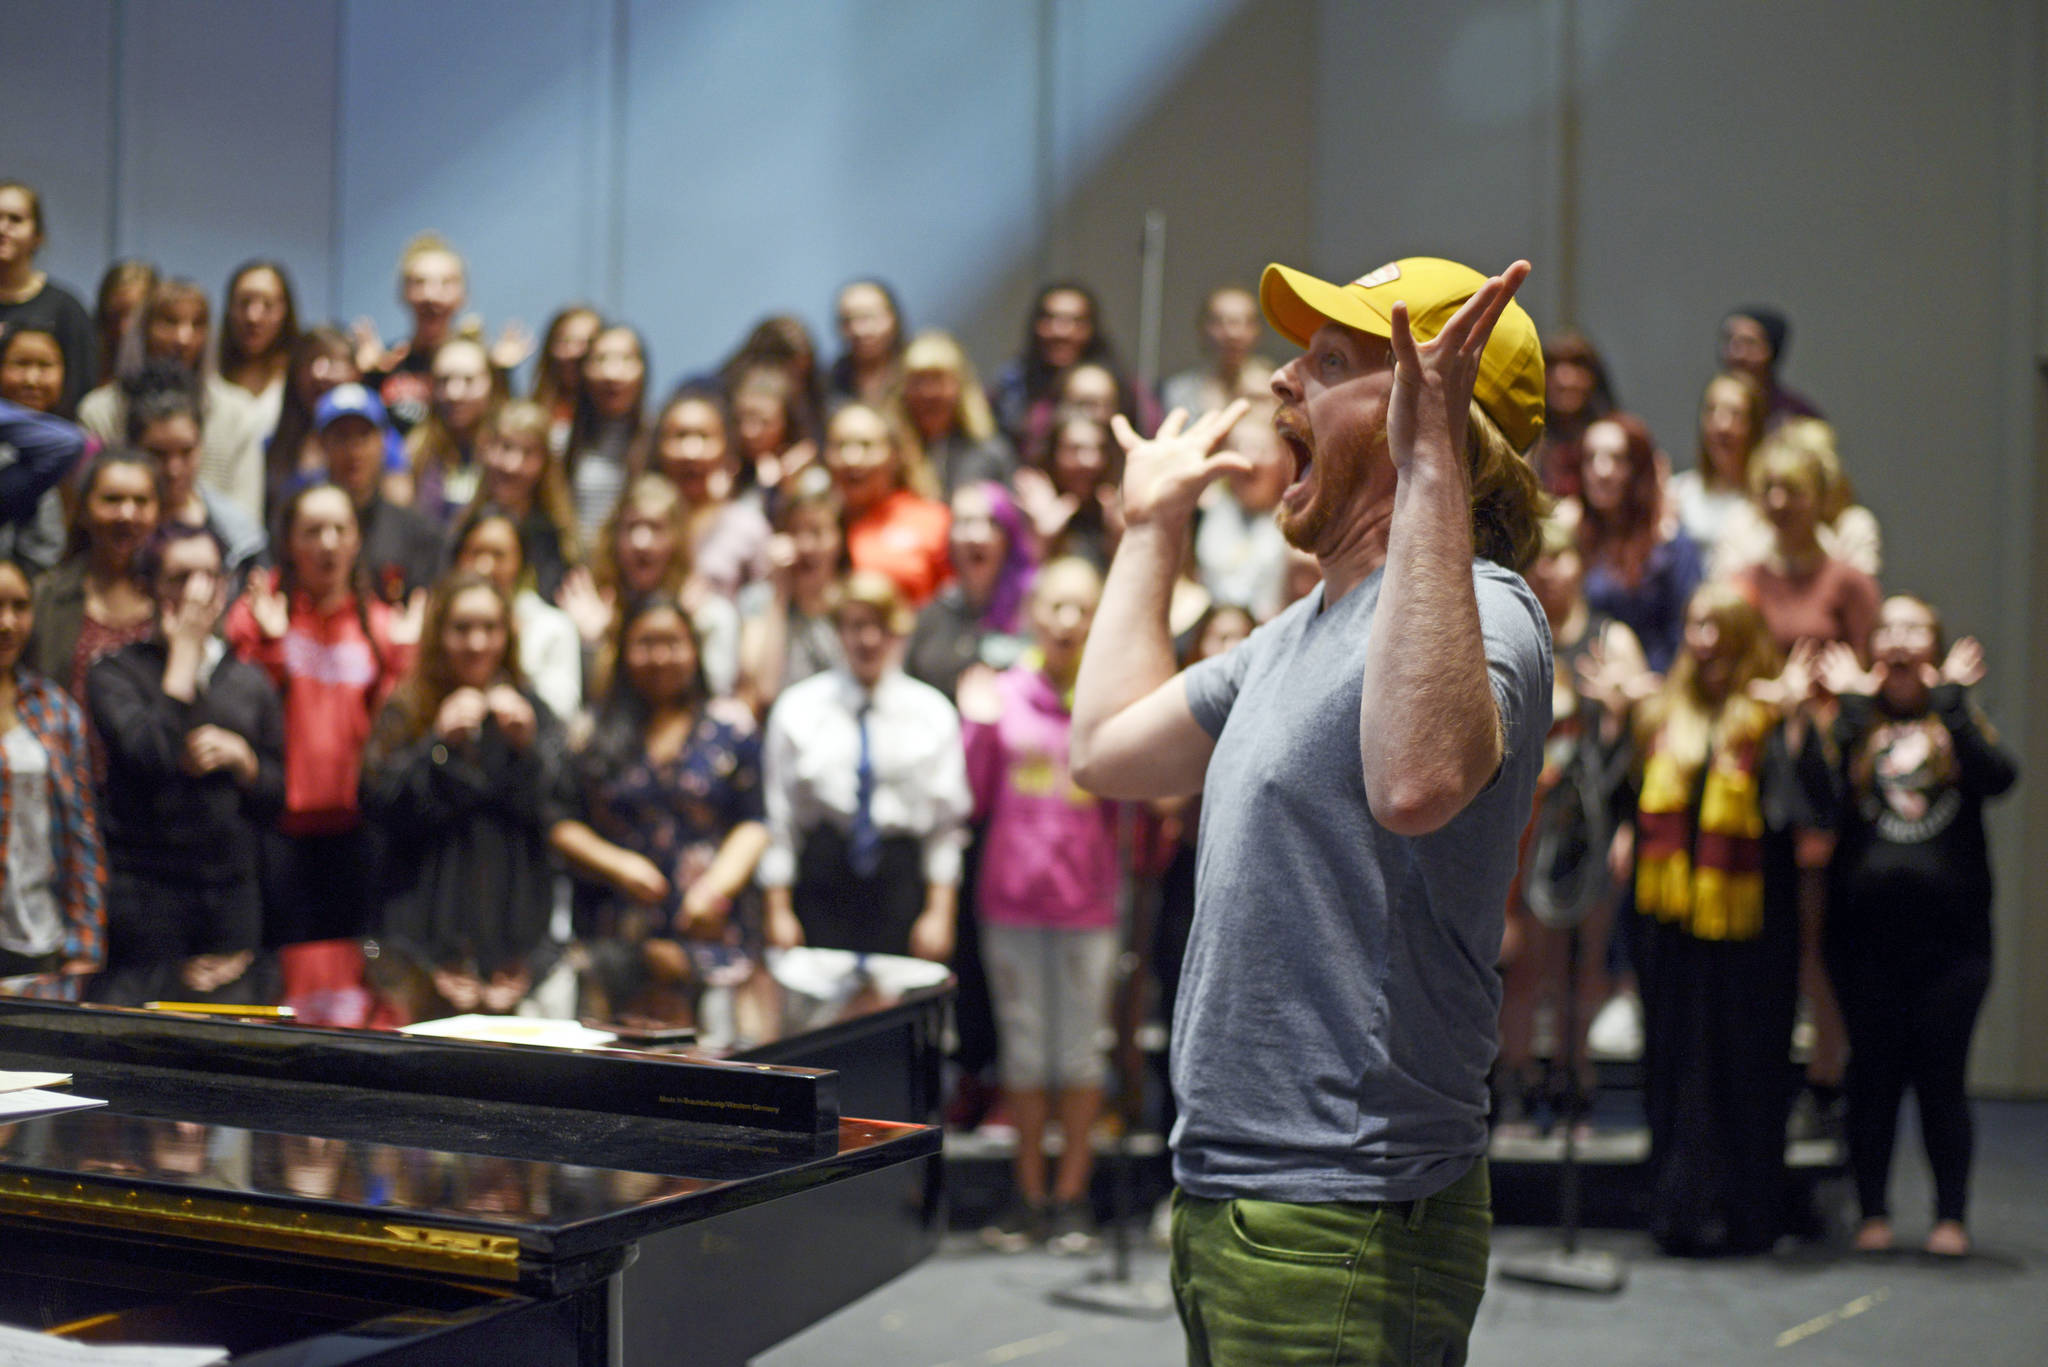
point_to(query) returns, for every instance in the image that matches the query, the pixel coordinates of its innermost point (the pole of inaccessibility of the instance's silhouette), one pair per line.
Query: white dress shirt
(811, 758)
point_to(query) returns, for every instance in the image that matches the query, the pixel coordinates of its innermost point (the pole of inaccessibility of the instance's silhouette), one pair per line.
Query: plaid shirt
(81, 868)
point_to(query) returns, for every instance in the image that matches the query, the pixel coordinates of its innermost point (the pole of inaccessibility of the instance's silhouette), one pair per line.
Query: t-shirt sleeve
(1518, 664)
(1212, 685)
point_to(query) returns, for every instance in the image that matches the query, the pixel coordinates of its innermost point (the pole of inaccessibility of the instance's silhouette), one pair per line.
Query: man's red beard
(1335, 483)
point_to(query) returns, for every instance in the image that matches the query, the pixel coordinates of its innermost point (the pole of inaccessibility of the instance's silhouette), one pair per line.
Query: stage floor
(1815, 1305)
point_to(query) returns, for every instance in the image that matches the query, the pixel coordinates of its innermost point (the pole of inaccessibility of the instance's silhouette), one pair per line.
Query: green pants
(1268, 1283)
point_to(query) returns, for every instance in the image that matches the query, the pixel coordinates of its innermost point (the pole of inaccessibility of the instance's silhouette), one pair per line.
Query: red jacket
(333, 680)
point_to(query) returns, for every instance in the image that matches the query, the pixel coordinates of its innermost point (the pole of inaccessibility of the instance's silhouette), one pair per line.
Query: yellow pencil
(220, 1009)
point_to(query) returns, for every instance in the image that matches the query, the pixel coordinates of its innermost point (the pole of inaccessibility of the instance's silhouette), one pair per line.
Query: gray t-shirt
(1338, 1007)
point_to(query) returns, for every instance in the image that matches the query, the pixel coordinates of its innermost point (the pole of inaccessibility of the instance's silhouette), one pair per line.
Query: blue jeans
(1270, 1284)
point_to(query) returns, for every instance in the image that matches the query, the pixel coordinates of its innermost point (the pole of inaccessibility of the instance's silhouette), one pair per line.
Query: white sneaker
(1617, 1030)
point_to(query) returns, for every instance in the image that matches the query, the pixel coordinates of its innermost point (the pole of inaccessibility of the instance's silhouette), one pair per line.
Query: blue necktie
(864, 842)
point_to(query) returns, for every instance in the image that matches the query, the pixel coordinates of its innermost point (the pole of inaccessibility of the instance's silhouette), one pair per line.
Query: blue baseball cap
(349, 401)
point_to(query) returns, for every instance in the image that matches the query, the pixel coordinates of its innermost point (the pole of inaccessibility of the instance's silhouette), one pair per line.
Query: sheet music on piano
(26, 1348)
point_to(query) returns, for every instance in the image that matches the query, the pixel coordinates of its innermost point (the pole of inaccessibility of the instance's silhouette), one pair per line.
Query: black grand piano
(307, 1196)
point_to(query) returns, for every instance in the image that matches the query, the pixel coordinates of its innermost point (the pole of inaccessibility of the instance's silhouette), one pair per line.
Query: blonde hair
(1755, 403)
(527, 420)
(1815, 439)
(941, 351)
(1555, 536)
(873, 589)
(913, 471)
(654, 493)
(1508, 501)
(1794, 461)
(1686, 717)
(431, 446)
(429, 243)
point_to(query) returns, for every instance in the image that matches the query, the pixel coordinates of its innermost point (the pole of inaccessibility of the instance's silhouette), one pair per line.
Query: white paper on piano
(17, 1082)
(34, 1102)
(24, 1348)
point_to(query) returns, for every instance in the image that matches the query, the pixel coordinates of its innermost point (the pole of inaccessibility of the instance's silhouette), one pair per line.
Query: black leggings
(1909, 1026)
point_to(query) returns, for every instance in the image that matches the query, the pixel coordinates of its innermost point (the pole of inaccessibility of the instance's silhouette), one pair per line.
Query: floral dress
(677, 813)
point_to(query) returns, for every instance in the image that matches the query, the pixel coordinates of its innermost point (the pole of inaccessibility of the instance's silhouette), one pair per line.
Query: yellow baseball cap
(1510, 384)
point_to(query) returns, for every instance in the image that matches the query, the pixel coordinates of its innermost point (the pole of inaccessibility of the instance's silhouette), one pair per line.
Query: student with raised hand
(176, 325)
(260, 331)
(433, 284)
(464, 775)
(1723, 782)
(671, 815)
(942, 401)
(1075, 502)
(645, 548)
(866, 795)
(1909, 922)
(334, 652)
(195, 772)
(165, 419)
(53, 920)
(29, 299)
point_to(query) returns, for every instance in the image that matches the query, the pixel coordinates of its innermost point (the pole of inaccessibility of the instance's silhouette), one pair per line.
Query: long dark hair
(232, 357)
(842, 366)
(358, 578)
(295, 417)
(619, 735)
(583, 427)
(1624, 543)
(1039, 377)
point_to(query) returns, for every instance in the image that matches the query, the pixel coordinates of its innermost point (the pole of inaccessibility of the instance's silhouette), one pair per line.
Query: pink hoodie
(1049, 857)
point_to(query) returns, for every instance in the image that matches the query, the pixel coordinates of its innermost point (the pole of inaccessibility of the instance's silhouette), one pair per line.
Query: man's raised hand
(1164, 476)
(1433, 380)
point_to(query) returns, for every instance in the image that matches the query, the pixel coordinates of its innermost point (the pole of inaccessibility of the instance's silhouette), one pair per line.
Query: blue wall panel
(56, 128)
(485, 123)
(775, 151)
(227, 140)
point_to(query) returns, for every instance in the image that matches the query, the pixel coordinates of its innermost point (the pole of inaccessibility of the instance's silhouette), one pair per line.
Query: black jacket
(159, 821)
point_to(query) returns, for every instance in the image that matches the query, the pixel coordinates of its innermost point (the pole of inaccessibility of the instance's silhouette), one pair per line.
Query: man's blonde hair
(1508, 502)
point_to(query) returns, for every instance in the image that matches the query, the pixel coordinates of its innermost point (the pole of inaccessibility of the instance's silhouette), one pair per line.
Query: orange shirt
(904, 537)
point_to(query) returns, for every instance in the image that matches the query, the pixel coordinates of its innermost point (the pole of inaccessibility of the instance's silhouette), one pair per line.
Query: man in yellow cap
(1367, 761)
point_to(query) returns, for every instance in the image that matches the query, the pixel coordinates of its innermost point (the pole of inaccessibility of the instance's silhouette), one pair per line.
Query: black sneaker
(1019, 1226)
(1070, 1230)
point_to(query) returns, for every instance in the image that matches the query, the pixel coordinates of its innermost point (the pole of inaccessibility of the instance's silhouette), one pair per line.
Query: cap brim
(1296, 304)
